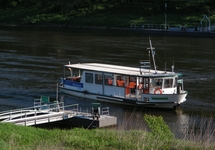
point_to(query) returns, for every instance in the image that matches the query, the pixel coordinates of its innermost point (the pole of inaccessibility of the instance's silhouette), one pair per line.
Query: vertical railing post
(35, 118)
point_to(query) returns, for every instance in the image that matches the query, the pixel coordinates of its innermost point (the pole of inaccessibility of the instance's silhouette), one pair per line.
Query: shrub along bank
(104, 13)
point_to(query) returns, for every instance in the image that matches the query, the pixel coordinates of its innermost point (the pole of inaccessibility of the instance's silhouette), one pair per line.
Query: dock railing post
(10, 115)
(35, 120)
(35, 114)
(63, 107)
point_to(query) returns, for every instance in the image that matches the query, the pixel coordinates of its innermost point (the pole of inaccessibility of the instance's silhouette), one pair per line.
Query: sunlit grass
(156, 136)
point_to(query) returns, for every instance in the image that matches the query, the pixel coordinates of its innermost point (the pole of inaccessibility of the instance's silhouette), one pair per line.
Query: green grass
(159, 136)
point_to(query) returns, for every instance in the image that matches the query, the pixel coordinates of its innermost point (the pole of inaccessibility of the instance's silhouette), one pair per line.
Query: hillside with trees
(108, 13)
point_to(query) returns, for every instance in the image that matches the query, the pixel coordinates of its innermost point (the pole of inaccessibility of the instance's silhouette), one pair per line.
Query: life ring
(157, 90)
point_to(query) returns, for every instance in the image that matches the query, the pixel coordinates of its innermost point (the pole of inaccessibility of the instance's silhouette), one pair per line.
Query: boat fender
(157, 91)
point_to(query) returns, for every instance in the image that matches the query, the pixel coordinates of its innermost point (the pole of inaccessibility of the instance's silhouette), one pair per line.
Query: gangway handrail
(105, 111)
(21, 109)
(22, 112)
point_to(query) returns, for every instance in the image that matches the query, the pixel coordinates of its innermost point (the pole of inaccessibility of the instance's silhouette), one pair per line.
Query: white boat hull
(170, 102)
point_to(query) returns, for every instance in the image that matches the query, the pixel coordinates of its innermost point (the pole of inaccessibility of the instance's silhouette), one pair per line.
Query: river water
(32, 59)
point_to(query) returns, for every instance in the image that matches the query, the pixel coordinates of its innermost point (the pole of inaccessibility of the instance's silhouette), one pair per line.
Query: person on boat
(120, 82)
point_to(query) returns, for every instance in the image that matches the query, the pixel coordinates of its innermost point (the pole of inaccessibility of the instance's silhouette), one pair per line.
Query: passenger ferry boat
(138, 86)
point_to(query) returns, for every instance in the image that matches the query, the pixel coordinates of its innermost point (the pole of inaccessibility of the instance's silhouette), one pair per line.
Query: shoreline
(178, 33)
(143, 31)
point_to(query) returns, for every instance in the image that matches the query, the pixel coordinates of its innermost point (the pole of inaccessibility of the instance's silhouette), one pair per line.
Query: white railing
(45, 113)
(105, 111)
(32, 111)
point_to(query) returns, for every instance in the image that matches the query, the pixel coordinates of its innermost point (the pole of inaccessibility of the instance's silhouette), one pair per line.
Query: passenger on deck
(110, 81)
(140, 86)
(120, 82)
(132, 85)
(76, 79)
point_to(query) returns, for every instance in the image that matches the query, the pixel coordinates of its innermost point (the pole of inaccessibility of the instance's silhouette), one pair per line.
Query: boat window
(73, 74)
(168, 83)
(108, 80)
(98, 79)
(132, 79)
(157, 83)
(176, 82)
(68, 72)
(132, 82)
(88, 77)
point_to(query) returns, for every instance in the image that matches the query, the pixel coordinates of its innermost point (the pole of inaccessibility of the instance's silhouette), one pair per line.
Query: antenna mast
(152, 49)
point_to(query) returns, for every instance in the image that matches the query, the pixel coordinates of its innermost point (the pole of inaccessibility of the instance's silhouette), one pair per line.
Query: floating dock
(47, 113)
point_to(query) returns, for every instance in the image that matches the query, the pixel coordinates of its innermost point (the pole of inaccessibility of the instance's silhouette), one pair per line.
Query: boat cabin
(122, 84)
(117, 81)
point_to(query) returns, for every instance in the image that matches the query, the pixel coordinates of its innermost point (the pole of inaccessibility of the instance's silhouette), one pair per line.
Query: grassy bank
(97, 16)
(159, 136)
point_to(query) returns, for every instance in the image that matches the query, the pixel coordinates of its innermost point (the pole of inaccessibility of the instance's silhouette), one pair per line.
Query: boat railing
(87, 112)
(15, 111)
(84, 112)
(105, 111)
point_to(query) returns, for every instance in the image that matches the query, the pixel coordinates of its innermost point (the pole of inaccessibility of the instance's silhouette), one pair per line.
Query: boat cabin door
(144, 85)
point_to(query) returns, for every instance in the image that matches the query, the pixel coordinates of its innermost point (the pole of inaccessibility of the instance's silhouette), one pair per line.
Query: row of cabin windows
(108, 80)
(168, 83)
(98, 78)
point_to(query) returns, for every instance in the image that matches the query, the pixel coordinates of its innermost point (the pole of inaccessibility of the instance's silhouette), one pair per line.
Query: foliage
(18, 137)
(114, 13)
(159, 129)
(160, 137)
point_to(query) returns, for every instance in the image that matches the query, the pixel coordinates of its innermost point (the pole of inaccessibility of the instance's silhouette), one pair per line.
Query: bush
(159, 130)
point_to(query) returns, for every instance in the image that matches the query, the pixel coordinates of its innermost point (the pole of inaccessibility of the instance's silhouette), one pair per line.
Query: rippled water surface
(32, 59)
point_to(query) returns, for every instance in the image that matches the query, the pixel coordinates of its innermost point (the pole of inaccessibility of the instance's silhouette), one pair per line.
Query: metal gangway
(46, 112)
(40, 114)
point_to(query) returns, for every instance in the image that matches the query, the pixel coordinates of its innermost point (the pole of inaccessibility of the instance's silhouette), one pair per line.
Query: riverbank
(177, 33)
(160, 137)
(110, 16)
(148, 32)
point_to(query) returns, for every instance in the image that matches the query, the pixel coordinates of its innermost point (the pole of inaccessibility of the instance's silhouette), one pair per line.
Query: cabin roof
(123, 70)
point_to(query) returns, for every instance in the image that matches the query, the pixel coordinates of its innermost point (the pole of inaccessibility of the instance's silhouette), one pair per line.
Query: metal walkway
(39, 114)
(48, 113)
